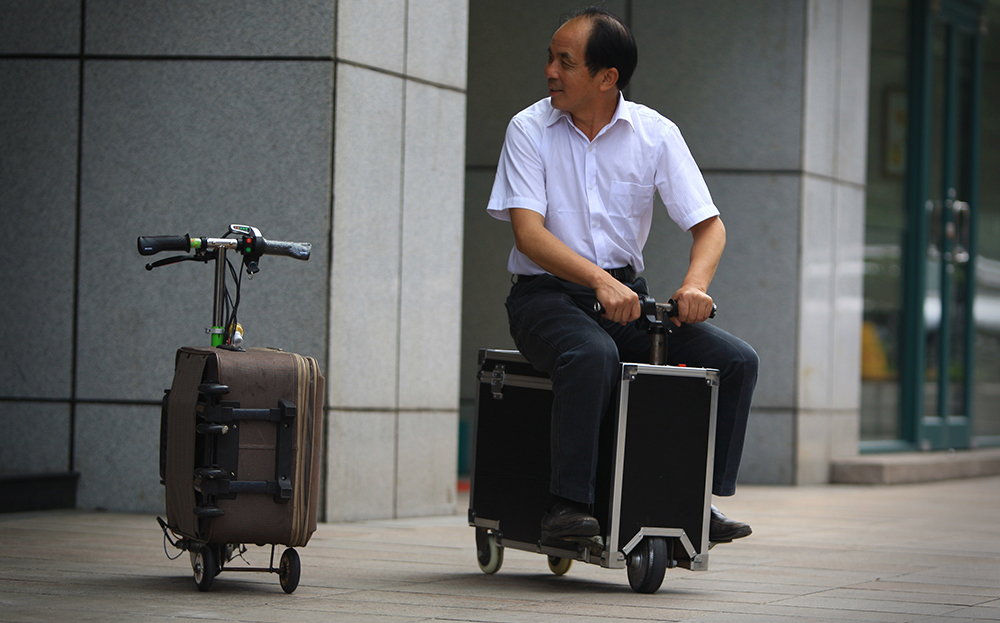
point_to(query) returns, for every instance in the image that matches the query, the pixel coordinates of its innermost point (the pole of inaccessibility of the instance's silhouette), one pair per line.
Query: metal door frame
(940, 431)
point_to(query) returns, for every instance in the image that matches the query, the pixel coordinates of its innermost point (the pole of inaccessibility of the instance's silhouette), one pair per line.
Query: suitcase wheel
(209, 511)
(488, 552)
(205, 562)
(559, 566)
(289, 570)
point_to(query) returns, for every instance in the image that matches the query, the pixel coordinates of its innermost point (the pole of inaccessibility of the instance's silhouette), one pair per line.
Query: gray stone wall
(173, 117)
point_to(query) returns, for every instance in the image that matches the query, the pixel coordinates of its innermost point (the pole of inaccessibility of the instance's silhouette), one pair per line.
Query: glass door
(941, 204)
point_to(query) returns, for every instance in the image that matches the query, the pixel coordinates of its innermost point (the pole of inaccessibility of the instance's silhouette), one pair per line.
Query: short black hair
(610, 44)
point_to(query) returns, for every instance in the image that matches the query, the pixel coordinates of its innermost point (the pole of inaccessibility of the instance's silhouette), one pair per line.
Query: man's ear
(609, 79)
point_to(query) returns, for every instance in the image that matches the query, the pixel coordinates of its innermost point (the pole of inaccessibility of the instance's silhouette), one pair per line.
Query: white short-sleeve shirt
(597, 196)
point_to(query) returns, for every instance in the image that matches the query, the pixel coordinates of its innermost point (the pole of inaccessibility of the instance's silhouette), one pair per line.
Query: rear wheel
(205, 567)
(289, 570)
(489, 553)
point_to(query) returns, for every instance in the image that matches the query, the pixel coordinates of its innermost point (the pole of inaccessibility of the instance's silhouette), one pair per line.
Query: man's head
(591, 58)
(610, 43)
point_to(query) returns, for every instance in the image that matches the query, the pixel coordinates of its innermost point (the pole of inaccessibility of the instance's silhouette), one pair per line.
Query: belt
(625, 274)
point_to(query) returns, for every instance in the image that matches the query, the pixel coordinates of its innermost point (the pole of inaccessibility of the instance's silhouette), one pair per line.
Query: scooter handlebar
(670, 307)
(151, 245)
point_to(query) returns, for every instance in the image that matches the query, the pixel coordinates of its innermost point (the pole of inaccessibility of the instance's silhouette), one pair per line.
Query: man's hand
(621, 304)
(693, 305)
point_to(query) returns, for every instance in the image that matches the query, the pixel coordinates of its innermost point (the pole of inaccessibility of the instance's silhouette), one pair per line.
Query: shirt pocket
(627, 204)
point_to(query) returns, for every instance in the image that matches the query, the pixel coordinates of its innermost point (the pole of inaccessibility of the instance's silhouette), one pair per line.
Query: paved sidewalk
(903, 553)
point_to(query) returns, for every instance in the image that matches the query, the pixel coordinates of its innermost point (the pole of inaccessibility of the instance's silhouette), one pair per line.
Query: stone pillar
(395, 284)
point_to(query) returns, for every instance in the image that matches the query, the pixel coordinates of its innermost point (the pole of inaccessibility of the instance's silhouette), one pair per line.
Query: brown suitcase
(241, 450)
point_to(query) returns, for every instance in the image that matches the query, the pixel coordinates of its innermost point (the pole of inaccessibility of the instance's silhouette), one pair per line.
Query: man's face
(571, 86)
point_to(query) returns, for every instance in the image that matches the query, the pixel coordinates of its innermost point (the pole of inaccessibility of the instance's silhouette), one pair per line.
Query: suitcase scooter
(654, 477)
(240, 430)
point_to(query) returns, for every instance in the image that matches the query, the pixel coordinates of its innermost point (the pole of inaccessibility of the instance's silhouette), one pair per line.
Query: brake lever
(199, 256)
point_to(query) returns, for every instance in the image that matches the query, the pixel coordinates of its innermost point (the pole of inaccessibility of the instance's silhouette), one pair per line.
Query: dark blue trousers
(553, 324)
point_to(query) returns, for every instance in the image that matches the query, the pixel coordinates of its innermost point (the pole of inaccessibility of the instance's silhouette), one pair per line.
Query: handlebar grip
(672, 309)
(151, 245)
(295, 250)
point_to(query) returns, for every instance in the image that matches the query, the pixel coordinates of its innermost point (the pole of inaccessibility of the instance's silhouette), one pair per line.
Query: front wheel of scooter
(489, 553)
(647, 564)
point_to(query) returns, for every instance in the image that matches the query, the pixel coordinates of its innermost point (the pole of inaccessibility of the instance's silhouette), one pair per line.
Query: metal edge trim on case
(548, 550)
(709, 471)
(648, 368)
(676, 533)
(492, 524)
(501, 355)
(517, 380)
(619, 467)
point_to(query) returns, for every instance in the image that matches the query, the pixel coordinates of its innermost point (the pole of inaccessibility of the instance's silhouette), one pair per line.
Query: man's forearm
(693, 302)
(543, 248)
(708, 243)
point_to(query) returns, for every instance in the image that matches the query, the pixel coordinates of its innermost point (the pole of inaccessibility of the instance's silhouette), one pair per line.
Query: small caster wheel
(647, 564)
(559, 566)
(205, 567)
(488, 552)
(289, 570)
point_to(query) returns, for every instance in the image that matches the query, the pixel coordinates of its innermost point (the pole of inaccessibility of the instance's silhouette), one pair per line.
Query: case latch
(497, 381)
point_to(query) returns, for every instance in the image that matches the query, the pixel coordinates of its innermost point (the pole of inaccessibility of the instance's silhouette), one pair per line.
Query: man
(576, 179)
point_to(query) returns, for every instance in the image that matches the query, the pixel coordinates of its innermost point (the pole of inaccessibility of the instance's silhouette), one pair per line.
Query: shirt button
(594, 224)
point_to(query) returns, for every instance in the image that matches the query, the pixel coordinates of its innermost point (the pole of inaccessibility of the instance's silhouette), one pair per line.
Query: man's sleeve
(681, 184)
(520, 179)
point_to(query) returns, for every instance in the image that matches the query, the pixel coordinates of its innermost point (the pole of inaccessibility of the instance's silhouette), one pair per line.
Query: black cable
(231, 319)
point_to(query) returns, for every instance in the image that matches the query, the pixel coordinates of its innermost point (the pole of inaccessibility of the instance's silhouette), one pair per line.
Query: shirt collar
(622, 113)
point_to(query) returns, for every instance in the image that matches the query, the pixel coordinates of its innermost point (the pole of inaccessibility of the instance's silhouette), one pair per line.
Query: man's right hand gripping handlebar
(617, 302)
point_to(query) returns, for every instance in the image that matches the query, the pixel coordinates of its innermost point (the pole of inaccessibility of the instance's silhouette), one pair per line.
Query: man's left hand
(693, 305)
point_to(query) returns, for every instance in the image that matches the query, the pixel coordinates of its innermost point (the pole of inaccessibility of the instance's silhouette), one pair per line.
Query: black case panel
(666, 450)
(510, 481)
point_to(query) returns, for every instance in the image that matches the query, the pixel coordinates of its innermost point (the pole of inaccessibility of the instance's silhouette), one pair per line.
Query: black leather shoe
(567, 519)
(722, 529)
